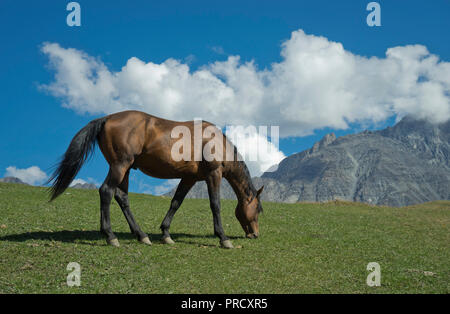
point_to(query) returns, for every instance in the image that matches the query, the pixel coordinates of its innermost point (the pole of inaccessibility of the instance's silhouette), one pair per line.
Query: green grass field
(303, 248)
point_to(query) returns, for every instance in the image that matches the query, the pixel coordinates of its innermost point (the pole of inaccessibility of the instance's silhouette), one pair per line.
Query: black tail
(79, 150)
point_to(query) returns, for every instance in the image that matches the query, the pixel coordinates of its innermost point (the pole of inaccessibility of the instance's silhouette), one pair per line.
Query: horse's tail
(81, 147)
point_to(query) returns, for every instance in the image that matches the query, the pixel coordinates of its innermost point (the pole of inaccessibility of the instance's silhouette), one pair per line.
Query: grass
(303, 248)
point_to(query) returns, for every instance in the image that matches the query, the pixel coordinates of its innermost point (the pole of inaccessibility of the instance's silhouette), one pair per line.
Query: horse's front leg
(183, 188)
(213, 182)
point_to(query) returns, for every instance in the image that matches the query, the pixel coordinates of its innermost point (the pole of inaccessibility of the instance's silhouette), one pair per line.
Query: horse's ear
(259, 191)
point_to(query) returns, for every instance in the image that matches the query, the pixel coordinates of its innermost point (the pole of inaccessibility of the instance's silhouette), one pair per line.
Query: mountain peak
(324, 142)
(410, 124)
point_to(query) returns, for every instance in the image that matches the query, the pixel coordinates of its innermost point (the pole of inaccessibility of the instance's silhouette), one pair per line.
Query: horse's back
(146, 142)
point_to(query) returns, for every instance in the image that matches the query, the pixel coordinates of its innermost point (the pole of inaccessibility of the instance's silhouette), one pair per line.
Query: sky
(308, 67)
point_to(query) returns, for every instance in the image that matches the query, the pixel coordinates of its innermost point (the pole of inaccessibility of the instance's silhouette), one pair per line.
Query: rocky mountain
(397, 166)
(12, 180)
(87, 186)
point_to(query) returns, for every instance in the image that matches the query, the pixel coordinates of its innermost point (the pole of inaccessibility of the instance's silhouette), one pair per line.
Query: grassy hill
(303, 248)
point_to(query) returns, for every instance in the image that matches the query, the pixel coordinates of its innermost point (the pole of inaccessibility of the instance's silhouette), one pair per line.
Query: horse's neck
(240, 181)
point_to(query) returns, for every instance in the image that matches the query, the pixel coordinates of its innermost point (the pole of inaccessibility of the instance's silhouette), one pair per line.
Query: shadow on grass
(80, 237)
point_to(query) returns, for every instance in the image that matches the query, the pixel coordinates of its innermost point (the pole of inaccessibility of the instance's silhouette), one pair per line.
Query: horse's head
(247, 213)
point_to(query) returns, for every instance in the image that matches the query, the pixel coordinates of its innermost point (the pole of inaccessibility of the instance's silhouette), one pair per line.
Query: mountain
(405, 164)
(87, 186)
(12, 180)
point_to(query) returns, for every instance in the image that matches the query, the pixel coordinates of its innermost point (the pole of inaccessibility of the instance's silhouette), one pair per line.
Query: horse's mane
(243, 174)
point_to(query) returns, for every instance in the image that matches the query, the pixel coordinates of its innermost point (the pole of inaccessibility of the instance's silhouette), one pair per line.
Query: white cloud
(160, 189)
(93, 181)
(32, 175)
(76, 181)
(167, 186)
(145, 188)
(260, 154)
(218, 49)
(317, 84)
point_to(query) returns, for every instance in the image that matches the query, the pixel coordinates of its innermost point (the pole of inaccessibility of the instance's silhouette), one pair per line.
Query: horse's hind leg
(121, 197)
(183, 188)
(107, 190)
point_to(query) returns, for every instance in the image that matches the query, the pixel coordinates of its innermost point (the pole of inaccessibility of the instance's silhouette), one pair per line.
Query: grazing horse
(134, 139)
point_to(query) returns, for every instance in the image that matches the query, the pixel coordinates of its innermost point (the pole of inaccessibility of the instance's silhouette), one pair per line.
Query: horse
(137, 140)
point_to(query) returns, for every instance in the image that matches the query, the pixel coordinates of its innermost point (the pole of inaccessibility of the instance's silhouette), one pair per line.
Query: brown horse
(133, 139)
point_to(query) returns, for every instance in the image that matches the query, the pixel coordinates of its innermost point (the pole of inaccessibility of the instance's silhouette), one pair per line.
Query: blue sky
(35, 128)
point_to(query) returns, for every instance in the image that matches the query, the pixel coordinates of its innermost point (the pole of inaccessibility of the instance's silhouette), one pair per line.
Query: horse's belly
(166, 169)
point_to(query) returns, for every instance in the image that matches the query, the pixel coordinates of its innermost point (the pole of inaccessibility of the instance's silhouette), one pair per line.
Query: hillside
(398, 166)
(303, 248)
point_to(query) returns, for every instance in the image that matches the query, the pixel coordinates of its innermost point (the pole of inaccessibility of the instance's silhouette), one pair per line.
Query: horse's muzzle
(252, 235)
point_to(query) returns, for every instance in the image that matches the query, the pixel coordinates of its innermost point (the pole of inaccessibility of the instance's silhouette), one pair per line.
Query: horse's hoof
(167, 240)
(145, 240)
(113, 242)
(249, 236)
(226, 244)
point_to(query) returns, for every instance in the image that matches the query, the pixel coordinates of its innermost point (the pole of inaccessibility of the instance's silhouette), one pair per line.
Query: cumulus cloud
(260, 152)
(76, 181)
(218, 49)
(159, 189)
(32, 175)
(317, 84)
(167, 186)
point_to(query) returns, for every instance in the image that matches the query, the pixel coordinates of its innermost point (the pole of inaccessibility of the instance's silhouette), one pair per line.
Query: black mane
(244, 176)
